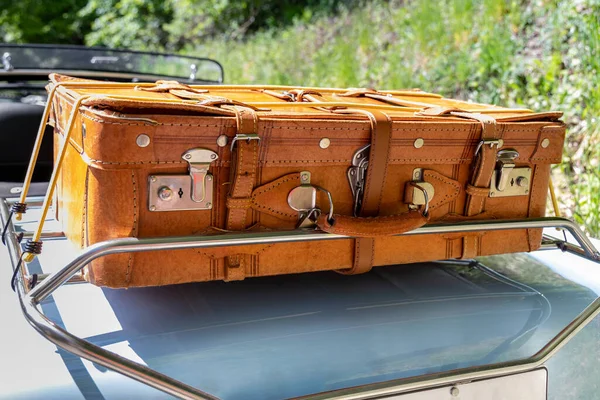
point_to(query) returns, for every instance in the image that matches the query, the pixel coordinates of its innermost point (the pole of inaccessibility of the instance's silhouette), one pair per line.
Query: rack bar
(30, 300)
(83, 348)
(134, 245)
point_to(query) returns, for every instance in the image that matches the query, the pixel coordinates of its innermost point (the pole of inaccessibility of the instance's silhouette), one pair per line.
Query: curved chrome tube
(30, 300)
(134, 245)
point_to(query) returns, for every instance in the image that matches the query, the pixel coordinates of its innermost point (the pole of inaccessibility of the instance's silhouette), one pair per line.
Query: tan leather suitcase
(167, 159)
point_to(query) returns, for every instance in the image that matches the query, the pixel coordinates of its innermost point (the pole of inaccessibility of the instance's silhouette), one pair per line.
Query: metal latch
(303, 199)
(419, 194)
(184, 192)
(507, 179)
(357, 174)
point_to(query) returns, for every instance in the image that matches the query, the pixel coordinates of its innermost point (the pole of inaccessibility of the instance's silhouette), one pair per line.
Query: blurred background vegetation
(539, 54)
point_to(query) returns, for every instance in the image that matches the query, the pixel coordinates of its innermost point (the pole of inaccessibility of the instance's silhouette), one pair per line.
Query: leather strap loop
(485, 161)
(477, 191)
(381, 137)
(167, 86)
(244, 164)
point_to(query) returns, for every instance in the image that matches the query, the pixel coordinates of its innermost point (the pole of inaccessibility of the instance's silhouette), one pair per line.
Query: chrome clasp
(504, 165)
(507, 179)
(184, 192)
(199, 161)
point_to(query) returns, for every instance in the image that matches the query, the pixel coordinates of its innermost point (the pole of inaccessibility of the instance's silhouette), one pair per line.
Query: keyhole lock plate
(193, 191)
(517, 182)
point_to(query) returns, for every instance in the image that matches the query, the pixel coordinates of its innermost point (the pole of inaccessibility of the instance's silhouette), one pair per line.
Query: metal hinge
(357, 175)
(184, 192)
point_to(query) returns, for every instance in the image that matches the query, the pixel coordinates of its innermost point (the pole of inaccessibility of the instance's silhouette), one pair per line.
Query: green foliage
(133, 24)
(541, 55)
(35, 21)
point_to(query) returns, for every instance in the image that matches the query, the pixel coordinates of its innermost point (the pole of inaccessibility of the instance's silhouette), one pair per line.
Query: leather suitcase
(166, 159)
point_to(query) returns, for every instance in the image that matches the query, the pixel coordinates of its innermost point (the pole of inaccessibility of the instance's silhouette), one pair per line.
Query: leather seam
(261, 207)
(448, 182)
(356, 265)
(272, 186)
(236, 254)
(134, 230)
(84, 215)
(385, 169)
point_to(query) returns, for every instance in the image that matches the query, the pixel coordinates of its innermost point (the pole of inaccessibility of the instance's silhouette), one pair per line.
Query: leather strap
(485, 161)
(244, 164)
(381, 137)
(478, 188)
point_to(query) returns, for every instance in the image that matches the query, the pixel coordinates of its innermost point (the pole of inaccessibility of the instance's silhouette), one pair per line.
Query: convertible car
(519, 326)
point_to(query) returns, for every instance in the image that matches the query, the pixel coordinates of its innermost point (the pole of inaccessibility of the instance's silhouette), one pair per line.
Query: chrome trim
(30, 300)
(83, 348)
(134, 245)
(129, 76)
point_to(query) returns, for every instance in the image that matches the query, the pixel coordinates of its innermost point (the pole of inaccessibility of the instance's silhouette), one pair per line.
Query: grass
(538, 54)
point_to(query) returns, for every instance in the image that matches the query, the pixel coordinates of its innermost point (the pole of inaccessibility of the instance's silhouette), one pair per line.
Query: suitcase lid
(270, 101)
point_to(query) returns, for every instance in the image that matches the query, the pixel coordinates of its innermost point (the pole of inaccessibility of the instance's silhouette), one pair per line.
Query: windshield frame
(19, 73)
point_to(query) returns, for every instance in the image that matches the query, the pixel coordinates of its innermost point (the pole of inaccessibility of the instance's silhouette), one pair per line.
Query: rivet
(222, 140)
(153, 178)
(419, 143)
(16, 190)
(187, 156)
(522, 181)
(454, 392)
(208, 205)
(213, 156)
(545, 143)
(324, 143)
(305, 177)
(143, 140)
(152, 208)
(165, 193)
(208, 178)
(491, 194)
(500, 143)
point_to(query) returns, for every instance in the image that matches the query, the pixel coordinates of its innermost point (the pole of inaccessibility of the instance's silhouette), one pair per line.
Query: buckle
(491, 143)
(244, 136)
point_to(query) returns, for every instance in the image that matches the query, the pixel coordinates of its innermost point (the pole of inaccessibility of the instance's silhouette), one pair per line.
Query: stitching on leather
(84, 216)
(134, 230)
(322, 128)
(372, 254)
(234, 257)
(135, 162)
(273, 185)
(385, 169)
(261, 207)
(102, 121)
(534, 187)
(240, 162)
(253, 171)
(356, 263)
(267, 188)
(369, 181)
(447, 181)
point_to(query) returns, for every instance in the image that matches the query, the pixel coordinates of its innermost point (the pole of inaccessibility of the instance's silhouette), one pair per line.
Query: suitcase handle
(372, 226)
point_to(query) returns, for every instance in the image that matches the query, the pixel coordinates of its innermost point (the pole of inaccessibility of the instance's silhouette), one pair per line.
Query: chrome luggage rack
(32, 289)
